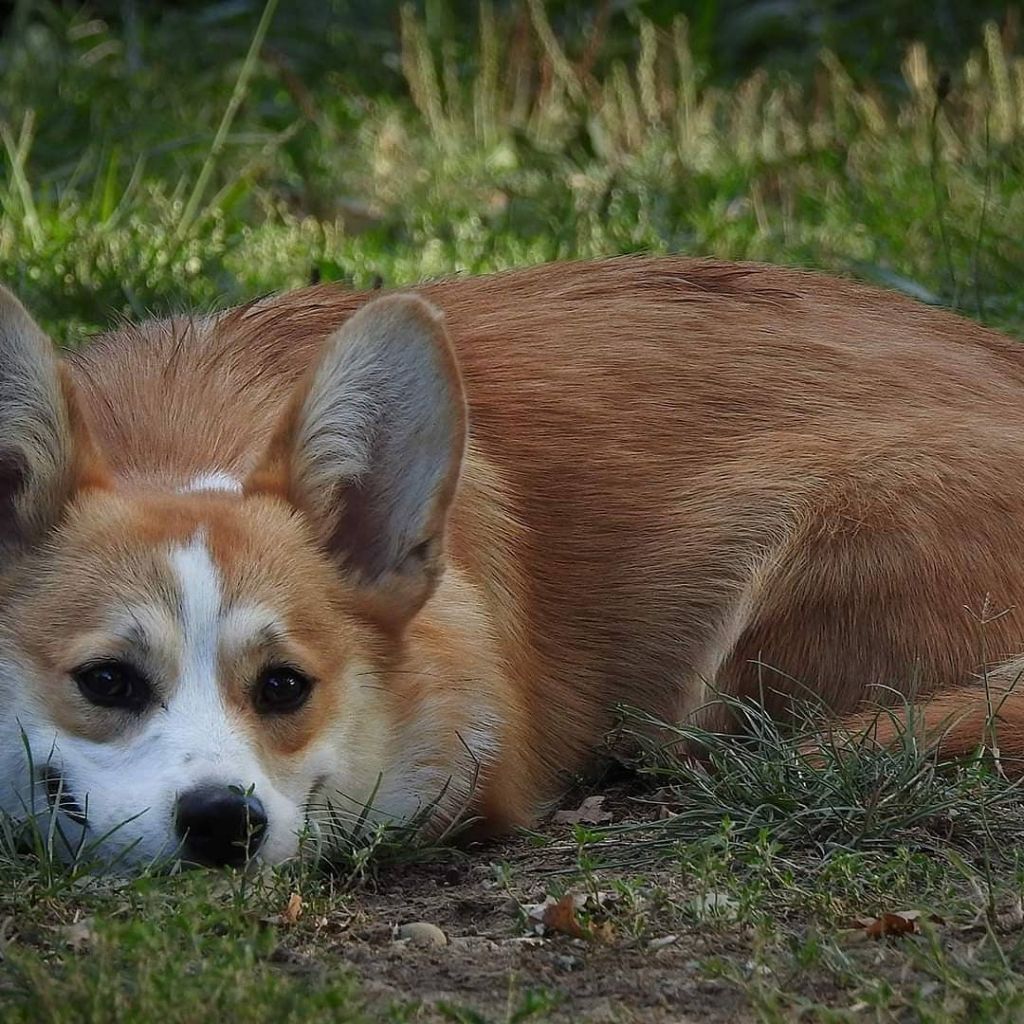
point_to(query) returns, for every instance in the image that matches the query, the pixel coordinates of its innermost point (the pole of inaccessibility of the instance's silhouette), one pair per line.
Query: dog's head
(184, 671)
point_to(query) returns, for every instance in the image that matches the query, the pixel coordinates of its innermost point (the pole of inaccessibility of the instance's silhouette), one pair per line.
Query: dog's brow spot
(215, 481)
(250, 625)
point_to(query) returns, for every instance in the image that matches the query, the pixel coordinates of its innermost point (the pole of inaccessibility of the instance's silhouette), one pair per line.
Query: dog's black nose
(219, 826)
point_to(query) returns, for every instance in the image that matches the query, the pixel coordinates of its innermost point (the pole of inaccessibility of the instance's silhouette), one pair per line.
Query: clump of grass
(354, 840)
(927, 979)
(356, 853)
(820, 797)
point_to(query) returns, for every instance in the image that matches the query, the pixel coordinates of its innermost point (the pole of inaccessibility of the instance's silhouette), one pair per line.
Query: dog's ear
(371, 449)
(46, 452)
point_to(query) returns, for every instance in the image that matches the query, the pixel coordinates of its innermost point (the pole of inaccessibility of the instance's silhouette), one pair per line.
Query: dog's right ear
(371, 450)
(46, 452)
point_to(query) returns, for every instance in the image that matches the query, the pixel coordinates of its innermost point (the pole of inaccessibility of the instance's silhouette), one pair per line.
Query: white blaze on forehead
(215, 481)
(209, 627)
(200, 586)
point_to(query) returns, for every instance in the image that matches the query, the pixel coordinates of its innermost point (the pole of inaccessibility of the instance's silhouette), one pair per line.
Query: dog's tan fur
(682, 477)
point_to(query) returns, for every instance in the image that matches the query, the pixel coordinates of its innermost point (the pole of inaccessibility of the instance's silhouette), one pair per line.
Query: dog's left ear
(371, 450)
(46, 450)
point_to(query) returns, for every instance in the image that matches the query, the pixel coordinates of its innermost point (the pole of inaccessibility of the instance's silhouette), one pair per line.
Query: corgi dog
(404, 554)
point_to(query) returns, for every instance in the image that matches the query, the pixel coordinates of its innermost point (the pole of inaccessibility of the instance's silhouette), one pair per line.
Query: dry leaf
(293, 911)
(588, 813)
(890, 924)
(903, 922)
(535, 914)
(290, 915)
(561, 916)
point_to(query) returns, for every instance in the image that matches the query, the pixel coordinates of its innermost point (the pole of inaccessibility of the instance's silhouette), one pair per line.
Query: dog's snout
(219, 826)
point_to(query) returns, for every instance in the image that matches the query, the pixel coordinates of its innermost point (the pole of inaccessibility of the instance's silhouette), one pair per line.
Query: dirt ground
(640, 966)
(492, 959)
(644, 946)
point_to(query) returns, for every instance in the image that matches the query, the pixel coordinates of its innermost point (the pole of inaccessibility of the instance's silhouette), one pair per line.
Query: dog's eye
(281, 690)
(113, 684)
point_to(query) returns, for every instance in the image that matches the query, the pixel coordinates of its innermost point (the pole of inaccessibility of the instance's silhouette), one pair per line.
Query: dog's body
(675, 474)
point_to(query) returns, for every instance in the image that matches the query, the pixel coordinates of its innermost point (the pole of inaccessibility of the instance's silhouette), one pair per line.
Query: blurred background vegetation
(162, 155)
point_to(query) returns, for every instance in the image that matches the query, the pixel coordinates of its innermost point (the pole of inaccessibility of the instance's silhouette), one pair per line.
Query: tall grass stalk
(238, 94)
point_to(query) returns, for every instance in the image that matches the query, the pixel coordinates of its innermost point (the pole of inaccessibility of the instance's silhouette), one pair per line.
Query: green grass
(822, 799)
(486, 168)
(186, 949)
(188, 161)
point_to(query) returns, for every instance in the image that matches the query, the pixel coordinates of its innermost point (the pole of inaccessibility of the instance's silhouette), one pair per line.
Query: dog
(401, 555)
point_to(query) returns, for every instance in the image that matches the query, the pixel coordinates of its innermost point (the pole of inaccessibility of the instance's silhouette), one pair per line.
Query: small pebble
(422, 933)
